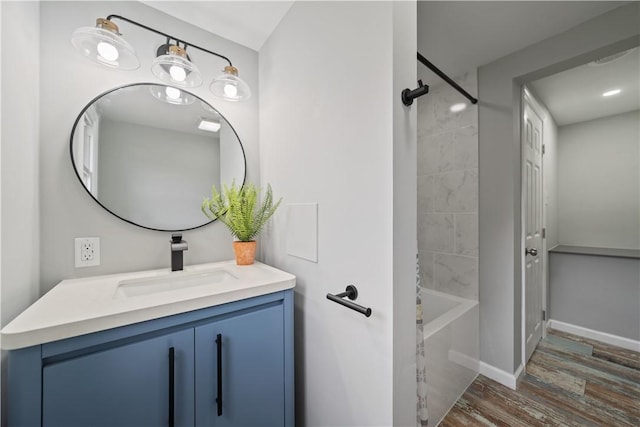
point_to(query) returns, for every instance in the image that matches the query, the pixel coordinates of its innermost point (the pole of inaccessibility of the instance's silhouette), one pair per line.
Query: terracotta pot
(245, 252)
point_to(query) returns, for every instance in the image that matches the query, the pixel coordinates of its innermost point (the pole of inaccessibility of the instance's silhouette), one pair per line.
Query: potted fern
(239, 209)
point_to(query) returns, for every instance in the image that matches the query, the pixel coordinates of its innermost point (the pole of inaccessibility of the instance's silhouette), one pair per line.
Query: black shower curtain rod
(409, 95)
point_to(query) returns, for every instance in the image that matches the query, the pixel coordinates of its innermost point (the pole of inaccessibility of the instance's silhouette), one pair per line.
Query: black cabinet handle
(219, 362)
(172, 383)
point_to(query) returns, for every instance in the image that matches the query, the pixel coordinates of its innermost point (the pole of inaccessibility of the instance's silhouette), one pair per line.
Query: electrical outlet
(87, 251)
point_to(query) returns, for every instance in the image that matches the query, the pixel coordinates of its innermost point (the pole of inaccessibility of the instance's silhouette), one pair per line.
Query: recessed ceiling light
(456, 108)
(209, 126)
(612, 92)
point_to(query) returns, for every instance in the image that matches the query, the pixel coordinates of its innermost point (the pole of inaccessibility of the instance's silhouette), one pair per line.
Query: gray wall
(499, 168)
(599, 182)
(154, 176)
(448, 190)
(69, 83)
(342, 140)
(584, 294)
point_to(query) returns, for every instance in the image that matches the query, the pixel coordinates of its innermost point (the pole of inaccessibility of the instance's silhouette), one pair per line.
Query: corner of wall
(405, 40)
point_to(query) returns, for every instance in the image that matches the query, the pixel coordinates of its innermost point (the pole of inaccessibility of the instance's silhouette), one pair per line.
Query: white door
(532, 188)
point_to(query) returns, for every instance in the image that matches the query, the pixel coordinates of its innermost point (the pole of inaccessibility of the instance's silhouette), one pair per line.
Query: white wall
(550, 177)
(2, 385)
(20, 141)
(69, 83)
(332, 132)
(19, 266)
(499, 168)
(405, 153)
(599, 182)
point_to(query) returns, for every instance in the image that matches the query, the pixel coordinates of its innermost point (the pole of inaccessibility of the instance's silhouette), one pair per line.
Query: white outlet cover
(90, 247)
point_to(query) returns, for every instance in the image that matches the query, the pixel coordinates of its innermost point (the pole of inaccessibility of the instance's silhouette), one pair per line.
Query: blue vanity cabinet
(122, 376)
(240, 370)
(129, 385)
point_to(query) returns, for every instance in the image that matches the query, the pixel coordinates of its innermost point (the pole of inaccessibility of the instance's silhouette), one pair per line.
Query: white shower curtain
(422, 413)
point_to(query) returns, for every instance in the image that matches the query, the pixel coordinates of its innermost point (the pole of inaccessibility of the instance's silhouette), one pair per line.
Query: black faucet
(178, 246)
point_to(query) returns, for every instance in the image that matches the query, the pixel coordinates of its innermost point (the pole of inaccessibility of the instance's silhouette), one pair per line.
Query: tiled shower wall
(448, 190)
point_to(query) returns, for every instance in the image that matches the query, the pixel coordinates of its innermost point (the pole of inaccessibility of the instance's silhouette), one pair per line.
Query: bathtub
(450, 328)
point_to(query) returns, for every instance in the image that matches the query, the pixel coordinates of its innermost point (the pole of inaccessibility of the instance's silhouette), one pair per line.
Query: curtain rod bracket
(409, 95)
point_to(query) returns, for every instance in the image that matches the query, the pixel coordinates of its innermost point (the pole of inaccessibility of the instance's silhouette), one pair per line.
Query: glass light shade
(104, 45)
(176, 69)
(172, 95)
(229, 86)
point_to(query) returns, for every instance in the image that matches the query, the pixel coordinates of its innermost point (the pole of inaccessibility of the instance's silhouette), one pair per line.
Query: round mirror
(150, 153)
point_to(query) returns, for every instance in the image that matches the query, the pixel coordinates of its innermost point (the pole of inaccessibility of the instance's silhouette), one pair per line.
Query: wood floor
(570, 381)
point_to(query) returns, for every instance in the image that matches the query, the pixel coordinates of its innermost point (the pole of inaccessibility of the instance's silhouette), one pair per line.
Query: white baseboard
(503, 377)
(604, 337)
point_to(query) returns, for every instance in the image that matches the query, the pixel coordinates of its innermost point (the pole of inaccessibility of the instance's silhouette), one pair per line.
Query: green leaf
(239, 209)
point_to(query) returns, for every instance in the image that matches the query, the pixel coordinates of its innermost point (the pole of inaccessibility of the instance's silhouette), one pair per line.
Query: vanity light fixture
(106, 46)
(173, 65)
(208, 125)
(611, 92)
(229, 86)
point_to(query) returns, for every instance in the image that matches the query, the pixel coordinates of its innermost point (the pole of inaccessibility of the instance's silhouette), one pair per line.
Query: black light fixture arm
(168, 36)
(446, 78)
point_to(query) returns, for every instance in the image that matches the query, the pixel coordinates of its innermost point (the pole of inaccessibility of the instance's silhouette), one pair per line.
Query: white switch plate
(87, 251)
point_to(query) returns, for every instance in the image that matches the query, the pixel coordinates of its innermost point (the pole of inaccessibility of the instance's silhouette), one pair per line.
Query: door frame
(527, 97)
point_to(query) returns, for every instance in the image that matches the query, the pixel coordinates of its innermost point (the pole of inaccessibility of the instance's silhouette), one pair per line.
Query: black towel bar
(352, 293)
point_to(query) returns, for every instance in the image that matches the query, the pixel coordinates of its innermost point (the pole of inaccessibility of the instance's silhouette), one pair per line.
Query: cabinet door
(129, 385)
(251, 373)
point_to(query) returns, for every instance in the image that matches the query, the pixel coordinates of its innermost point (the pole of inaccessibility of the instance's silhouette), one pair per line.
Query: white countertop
(80, 306)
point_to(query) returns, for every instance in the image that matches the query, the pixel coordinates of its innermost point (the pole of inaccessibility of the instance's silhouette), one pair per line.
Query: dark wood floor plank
(604, 351)
(572, 345)
(570, 381)
(557, 378)
(458, 416)
(478, 417)
(521, 409)
(627, 406)
(591, 365)
(574, 407)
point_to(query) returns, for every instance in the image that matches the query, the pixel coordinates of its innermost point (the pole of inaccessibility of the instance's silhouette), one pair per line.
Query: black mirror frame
(75, 169)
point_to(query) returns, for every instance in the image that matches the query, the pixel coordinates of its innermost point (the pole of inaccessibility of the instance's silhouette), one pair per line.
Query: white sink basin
(90, 304)
(171, 282)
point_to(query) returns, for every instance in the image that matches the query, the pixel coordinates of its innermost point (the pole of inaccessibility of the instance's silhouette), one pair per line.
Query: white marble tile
(425, 259)
(435, 232)
(425, 117)
(466, 148)
(456, 191)
(443, 99)
(466, 234)
(456, 275)
(466, 117)
(435, 155)
(425, 194)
